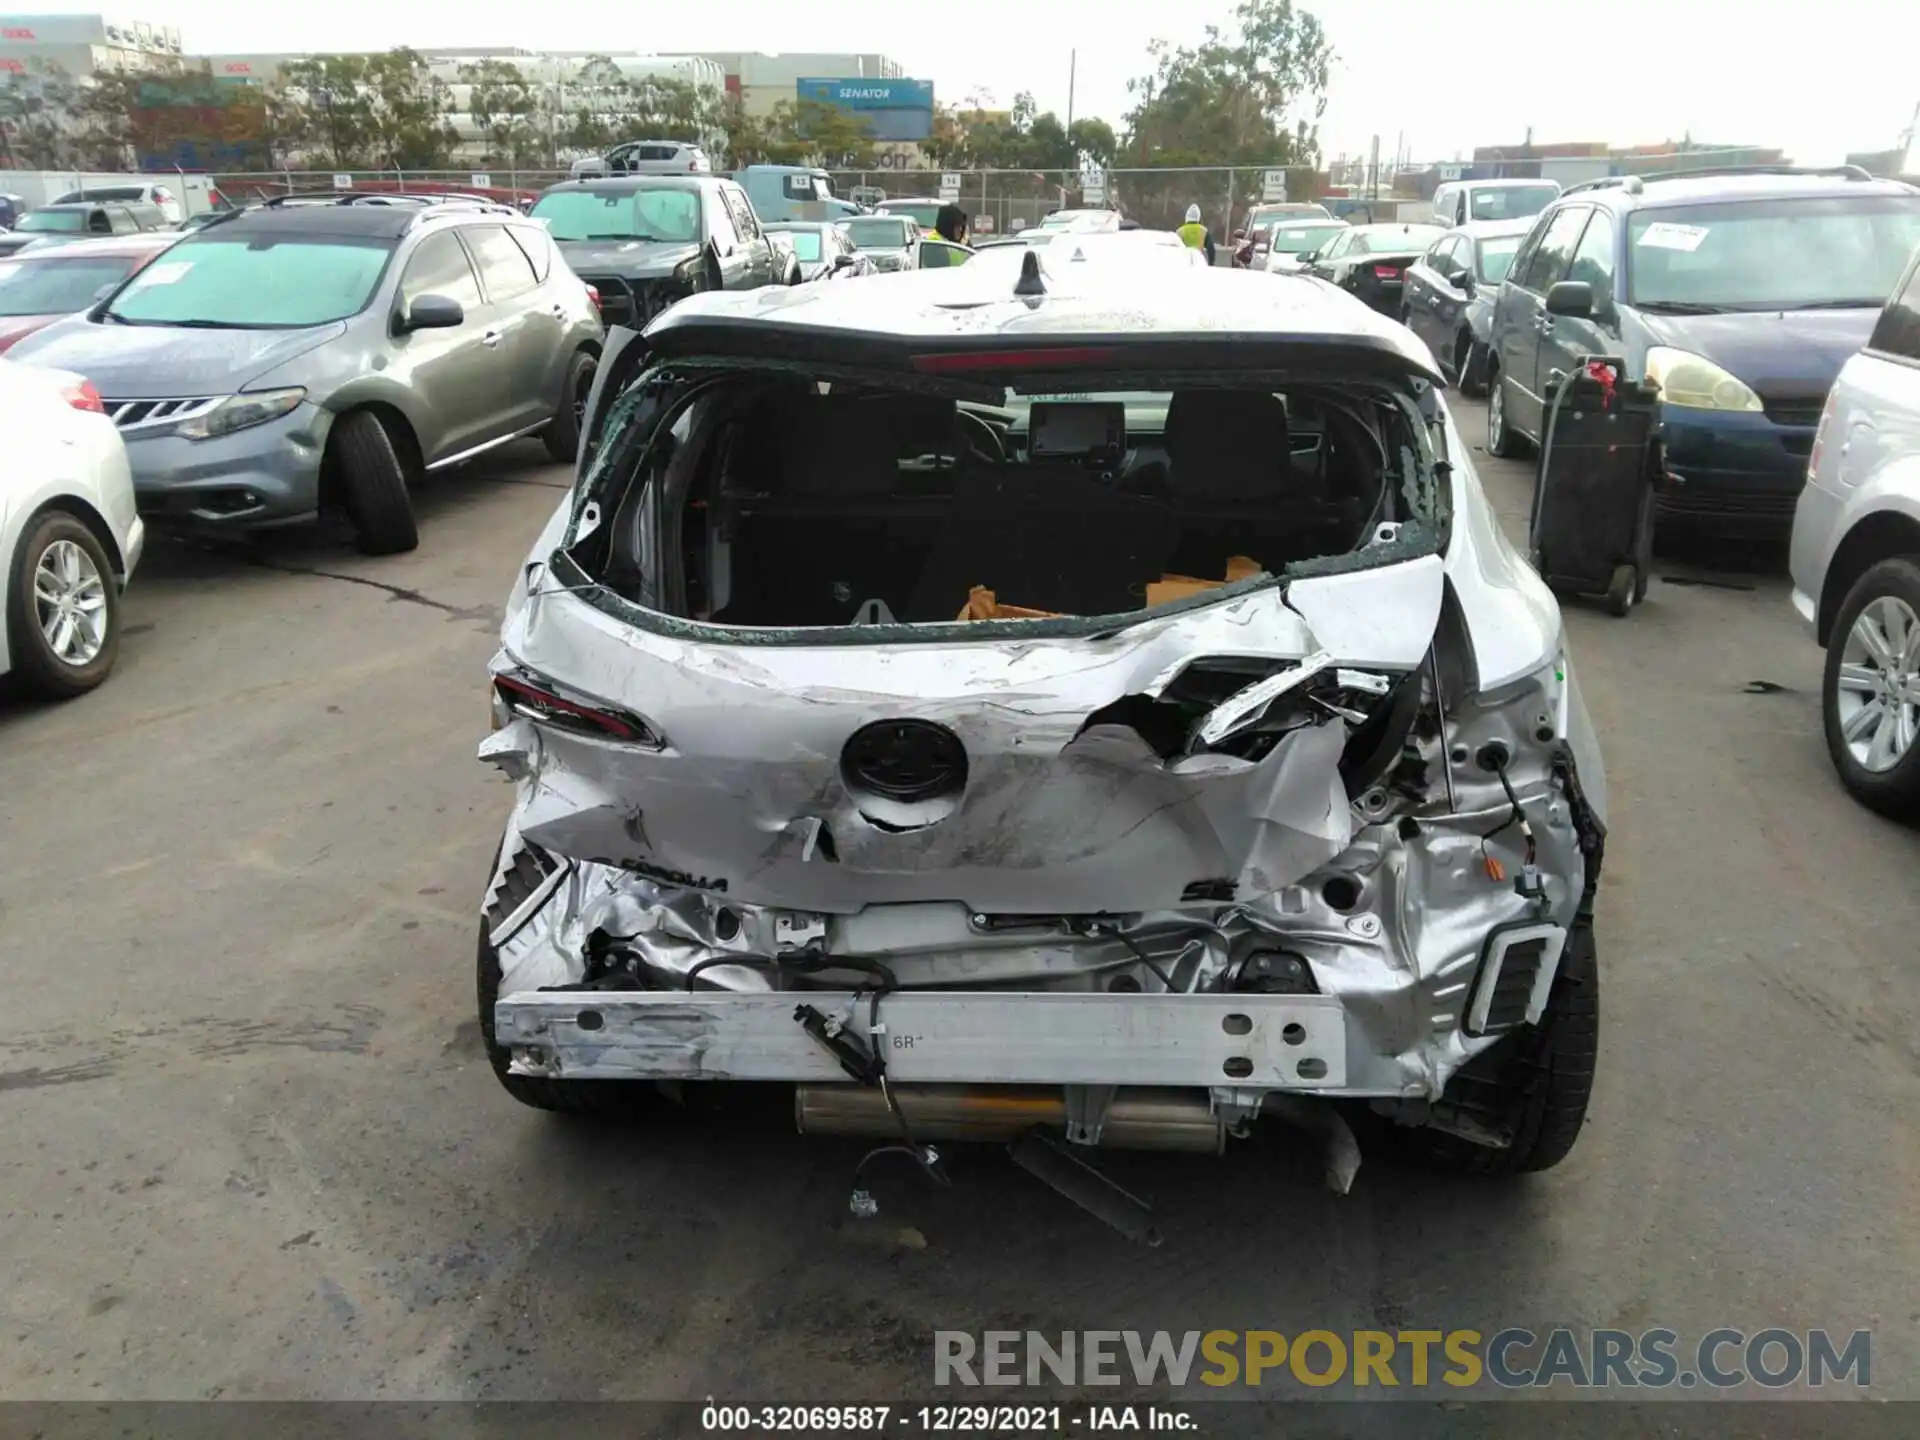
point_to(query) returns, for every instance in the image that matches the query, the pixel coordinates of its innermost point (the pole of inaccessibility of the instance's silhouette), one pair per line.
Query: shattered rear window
(778, 505)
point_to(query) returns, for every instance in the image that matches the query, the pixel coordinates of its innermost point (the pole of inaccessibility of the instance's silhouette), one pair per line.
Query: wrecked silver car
(1088, 710)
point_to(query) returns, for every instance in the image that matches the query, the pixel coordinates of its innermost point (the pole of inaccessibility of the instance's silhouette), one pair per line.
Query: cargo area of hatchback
(783, 502)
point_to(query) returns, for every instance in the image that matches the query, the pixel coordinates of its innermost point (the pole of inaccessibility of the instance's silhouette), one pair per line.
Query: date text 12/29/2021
(944, 1419)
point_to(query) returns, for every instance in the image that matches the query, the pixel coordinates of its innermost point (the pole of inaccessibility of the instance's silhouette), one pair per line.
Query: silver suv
(1856, 560)
(298, 358)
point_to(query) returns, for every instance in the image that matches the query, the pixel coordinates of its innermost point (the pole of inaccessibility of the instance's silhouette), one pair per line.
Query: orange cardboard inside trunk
(983, 604)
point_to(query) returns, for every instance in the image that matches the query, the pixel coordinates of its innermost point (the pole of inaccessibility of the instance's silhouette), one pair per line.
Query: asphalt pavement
(252, 1148)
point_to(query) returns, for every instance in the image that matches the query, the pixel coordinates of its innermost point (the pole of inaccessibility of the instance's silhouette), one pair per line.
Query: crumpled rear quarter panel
(1055, 817)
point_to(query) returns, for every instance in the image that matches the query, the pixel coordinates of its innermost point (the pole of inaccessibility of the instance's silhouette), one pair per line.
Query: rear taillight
(534, 699)
(84, 397)
(693, 167)
(1386, 272)
(593, 294)
(1820, 433)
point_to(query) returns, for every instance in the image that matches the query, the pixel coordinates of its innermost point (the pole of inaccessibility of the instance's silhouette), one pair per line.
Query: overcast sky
(1817, 80)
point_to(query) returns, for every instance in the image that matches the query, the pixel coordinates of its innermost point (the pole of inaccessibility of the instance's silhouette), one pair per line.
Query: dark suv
(1740, 292)
(644, 241)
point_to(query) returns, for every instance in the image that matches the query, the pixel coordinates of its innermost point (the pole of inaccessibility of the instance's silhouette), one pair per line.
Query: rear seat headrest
(841, 446)
(1227, 443)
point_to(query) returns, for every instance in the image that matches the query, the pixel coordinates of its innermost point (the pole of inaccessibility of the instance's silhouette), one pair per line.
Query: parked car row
(1449, 294)
(1756, 300)
(317, 353)
(140, 204)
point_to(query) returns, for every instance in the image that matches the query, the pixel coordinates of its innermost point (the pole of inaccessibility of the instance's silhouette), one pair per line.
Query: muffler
(1136, 1119)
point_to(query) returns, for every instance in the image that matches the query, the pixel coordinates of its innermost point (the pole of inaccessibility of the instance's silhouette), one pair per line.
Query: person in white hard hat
(1194, 233)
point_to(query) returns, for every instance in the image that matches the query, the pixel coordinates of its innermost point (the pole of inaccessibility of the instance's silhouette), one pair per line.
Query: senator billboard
(892, 109)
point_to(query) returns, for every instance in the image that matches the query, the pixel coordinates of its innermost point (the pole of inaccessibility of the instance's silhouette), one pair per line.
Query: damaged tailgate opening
(769, 500)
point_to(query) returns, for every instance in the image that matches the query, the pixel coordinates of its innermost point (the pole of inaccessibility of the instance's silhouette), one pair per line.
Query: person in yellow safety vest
(1194, 233)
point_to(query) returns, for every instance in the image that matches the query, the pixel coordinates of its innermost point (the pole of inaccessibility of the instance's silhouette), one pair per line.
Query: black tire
(606, 1098)
(37, 667)
(373, 485)
(1894, 792)
(1643, 546)
(562, 435)
(1622, 590)
(1535, 1084)
(1503, 441)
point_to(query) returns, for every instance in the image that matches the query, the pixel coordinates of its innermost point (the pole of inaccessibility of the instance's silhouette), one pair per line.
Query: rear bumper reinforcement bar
(1269, 1042)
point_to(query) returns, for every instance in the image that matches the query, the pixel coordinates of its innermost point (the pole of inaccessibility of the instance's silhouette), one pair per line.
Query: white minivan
(1458, 201)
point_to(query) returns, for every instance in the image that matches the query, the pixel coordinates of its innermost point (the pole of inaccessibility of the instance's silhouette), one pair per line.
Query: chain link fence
(506, 183)
(999, 201)
(1003, 201)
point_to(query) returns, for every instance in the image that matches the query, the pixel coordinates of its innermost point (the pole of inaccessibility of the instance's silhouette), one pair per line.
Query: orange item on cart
(1180, 587)
(983, 604)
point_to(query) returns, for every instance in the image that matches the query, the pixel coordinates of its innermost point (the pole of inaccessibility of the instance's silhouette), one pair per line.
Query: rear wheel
(1502, 441)
(63, 608)
(373, 485)
(1534, 1085)
(1623, 589)
(1870, 694)
(562, 435)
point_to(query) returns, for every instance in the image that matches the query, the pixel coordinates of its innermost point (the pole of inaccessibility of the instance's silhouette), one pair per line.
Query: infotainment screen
(1092, 433)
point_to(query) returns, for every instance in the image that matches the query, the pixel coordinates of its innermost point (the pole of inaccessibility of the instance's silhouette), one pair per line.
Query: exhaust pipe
(1136, 1120)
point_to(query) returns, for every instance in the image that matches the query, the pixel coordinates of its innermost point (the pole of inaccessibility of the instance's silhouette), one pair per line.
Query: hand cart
(1592, 527)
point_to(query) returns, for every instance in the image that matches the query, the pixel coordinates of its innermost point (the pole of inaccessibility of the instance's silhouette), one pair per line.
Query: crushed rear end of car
(1028, 721)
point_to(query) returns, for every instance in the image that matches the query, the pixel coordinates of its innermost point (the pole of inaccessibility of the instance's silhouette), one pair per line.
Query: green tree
(606, 107)
(946, 144)
(407, 113)
(361, 111)
(324, 99)
(833, 138)
(1250, 97)
(285, 121)
(37, 115)
(506, 109)
(1094, 139)
(106, 128)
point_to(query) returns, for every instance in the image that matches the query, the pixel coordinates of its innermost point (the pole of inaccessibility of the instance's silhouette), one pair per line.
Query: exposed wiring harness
(1145, 959)
(1528, 882)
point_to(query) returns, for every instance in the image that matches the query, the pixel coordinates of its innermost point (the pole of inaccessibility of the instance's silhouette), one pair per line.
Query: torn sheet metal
(1392, 926)
(749, 797)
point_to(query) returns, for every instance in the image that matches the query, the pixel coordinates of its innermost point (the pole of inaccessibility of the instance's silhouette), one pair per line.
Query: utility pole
(1373, 183)
(1073, 68)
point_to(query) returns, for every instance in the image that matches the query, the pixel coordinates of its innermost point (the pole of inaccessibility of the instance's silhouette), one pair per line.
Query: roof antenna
(1030, 283)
